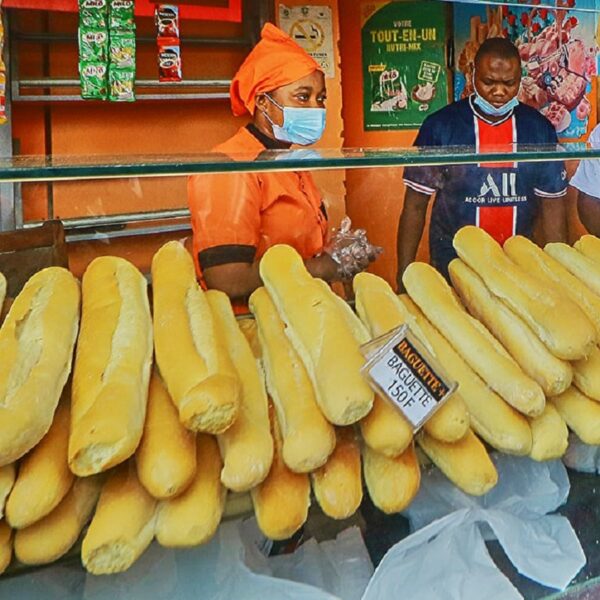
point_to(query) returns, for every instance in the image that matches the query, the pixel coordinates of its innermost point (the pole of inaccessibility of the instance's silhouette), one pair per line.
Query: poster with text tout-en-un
(404, 63)
(558, 56)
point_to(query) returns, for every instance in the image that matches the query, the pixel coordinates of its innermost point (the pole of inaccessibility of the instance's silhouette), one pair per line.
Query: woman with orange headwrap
(237, 217)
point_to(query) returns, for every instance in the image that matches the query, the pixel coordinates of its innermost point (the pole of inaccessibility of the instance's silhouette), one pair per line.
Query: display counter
(468, 456)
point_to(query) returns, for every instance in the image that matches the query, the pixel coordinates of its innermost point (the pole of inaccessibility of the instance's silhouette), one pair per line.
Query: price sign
(401, 369)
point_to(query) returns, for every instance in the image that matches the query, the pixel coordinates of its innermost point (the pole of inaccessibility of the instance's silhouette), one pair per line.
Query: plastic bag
(230, 566)
(582, 457)
(447, 555)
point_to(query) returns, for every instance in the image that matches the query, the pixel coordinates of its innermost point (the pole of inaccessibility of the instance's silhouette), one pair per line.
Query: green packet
(121, 84)
(93, 13)
(122, 49)
(93, 44)
(121, 14)
(93, 78)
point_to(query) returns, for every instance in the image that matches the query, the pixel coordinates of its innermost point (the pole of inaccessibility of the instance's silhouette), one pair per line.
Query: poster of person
(558, 53)
(404, 63)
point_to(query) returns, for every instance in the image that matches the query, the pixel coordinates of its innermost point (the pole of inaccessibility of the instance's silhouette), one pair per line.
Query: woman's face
(308, 92)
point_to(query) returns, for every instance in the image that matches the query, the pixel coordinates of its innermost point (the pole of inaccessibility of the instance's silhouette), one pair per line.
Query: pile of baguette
(129, 423)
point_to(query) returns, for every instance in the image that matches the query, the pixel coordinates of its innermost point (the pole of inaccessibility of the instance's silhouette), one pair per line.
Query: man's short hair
(499, 47)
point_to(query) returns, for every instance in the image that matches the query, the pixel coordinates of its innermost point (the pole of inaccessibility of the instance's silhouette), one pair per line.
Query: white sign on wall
(311, 27)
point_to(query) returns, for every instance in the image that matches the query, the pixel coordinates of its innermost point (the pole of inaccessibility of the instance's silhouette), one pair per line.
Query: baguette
(552, 374)
(392, 482)
(308, 438)
(320, 333)
(192, 518)
(579, 265)
(44, 475)
(499, 424)
(431, 293)
(281, 501)
(384, 428)
(7, 480)
(247, 446)
(6, 545)
(166, 457)
(112, 367)
(55, 534)
(550, 435)
(571, 337)
(123, 525)
(533, 259)
(337, 484)
(36, 349)
(581, 414)
(465, 463)
(192, 359)
(586, 374)
(589, 245)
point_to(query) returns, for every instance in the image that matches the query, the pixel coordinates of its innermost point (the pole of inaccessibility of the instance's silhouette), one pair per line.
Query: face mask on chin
(490, 109)
(303, 126)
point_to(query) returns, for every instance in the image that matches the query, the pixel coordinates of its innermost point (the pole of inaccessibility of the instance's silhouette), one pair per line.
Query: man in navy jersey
(503, 198)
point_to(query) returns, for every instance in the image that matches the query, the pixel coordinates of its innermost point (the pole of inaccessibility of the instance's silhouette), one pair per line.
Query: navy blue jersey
(502, 198)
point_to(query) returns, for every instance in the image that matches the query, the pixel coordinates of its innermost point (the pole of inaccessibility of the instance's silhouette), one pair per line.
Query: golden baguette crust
(337, 484)
(581, 413)
(192, 518)
(318, 328)
(247, 446)
(533, 259)
(579, 265)
(589, 245)
(166, 456)
(53, 536)
(112, 367)
(586, 374)
(6, 545)
(123, 524)
(550, 435)
(384, 428)
(36, 346)
(498, 423)
(552, 374)
(392, 483)
(433, 295)
(569, 338)
(44, 475)
(281, 501)
(465, 463)
(192, 359)
(8, 474)
(308, 438)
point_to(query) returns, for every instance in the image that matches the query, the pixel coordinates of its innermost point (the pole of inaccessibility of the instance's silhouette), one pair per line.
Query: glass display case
(130, 206)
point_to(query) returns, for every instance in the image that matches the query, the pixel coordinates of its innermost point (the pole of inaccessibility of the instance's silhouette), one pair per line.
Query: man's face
(497, 79)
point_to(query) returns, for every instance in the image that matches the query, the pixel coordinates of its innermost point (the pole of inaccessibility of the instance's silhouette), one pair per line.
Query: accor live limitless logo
(498, 188)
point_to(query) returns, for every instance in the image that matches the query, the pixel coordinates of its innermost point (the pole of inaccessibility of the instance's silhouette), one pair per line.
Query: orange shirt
(236, 217)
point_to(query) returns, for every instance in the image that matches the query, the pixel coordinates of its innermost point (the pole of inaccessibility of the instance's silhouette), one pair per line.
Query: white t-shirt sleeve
(587, 175)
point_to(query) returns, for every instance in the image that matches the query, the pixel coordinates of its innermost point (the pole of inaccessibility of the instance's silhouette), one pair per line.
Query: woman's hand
(323, 267)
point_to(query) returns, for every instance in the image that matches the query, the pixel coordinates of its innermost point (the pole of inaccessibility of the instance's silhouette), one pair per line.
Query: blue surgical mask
(302, 126)
(490, 109)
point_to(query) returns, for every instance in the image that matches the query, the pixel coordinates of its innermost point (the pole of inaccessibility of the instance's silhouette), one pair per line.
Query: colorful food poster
(558, 53)
(404, 63)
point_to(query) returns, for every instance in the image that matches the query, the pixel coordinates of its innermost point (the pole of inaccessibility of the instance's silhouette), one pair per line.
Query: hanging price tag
(401, 369)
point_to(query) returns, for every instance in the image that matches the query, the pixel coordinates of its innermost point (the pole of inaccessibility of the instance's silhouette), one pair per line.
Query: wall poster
(404, 63)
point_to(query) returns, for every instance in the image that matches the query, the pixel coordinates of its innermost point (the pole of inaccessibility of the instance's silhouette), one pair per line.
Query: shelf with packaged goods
(57, 168)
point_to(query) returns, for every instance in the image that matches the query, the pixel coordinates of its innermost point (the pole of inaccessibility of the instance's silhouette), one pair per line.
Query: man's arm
(410, 230)
(589, 212)
(554, 219)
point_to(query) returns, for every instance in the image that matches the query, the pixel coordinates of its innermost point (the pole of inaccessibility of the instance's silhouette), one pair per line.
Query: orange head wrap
(275, 61)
